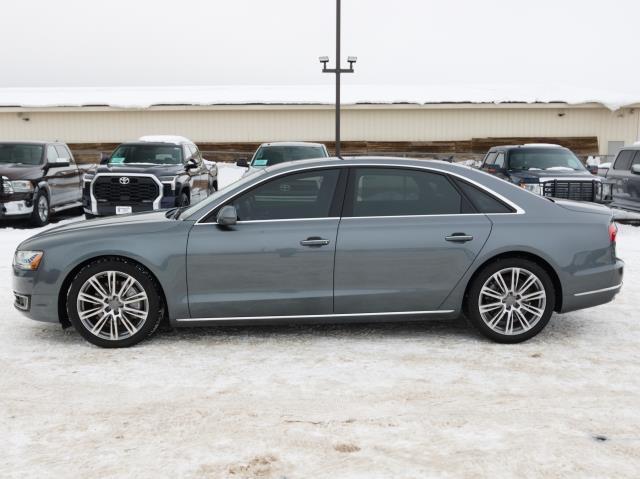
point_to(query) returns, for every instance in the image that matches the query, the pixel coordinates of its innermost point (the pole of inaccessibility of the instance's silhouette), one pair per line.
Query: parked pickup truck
(546, 170)
(152, 173)
(38, 179)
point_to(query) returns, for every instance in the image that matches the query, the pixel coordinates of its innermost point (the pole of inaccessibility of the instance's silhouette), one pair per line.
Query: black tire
(41, 217)
(145, 280)
(472, 301)
(183, 199)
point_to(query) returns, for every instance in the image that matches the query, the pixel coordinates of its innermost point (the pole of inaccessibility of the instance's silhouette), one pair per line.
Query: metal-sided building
(229, 122)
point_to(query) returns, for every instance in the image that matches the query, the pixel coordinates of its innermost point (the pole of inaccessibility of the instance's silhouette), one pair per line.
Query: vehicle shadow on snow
(23, 224)
(560, 329)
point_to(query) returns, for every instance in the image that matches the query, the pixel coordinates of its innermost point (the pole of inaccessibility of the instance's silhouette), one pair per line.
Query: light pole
(337, 71)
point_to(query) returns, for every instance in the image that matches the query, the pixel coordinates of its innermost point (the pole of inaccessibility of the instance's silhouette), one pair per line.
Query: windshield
(272, 155)
(21, 154)
(544, 159)
(147, 154)
(205, 204)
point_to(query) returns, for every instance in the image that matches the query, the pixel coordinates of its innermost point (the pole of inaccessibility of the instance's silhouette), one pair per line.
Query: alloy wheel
(512, 301)
(112, 305)
(43, 208)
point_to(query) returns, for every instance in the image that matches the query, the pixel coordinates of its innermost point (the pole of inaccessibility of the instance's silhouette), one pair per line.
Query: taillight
(613, 232)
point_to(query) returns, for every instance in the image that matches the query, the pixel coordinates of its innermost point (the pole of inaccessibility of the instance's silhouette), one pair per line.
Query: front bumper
(32, 301)
(16, 208)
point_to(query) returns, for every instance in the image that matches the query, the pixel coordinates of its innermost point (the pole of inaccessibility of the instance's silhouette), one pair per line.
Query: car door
(202, 173)
(621, 176)
(69, 176)
(277, 260)
(55, 177)
(406, 238)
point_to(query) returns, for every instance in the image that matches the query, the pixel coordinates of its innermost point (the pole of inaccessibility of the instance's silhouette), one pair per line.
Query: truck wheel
(41, 209)
(114, 303)
(184, 199)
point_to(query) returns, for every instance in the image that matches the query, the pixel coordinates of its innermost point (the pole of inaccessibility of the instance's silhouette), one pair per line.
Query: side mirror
(191, 164)
(242, 163)
(227, 216)
(61, 163)
(493, 169)
(104, 158)
(635, 169)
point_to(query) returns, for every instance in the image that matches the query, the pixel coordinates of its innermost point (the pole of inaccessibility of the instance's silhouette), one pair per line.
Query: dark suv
(152, 173)
(547, 170)
(624, 175)
(37, 179)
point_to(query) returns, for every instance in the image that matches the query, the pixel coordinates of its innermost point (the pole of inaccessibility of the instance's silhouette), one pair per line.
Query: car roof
(292, 143)
(31, 142)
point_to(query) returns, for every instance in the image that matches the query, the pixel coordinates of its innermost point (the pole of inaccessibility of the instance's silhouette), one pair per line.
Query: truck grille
(139, 189)
(571, 190)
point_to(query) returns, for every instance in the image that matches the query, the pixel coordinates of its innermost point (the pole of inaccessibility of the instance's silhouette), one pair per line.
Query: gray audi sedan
(322, 240)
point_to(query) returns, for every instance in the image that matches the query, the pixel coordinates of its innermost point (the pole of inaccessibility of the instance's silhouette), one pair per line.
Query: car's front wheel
(41, 209)
(114, 303)
(511, 300)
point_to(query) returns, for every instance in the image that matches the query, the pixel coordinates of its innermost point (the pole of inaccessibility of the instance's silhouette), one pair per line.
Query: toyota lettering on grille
(124, 180)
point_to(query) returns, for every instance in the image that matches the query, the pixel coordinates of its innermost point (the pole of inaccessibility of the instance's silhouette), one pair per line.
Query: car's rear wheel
(114, 303)
(511, 300)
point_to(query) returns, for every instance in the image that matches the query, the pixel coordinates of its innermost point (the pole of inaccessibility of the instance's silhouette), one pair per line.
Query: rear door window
(402, 192)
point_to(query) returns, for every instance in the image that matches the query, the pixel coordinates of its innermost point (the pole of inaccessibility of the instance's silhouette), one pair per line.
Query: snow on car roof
(352, 94)
(293, 143)
(175, 139)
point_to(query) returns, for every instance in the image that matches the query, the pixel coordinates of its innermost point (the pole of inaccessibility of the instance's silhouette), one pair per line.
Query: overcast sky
(586, 43)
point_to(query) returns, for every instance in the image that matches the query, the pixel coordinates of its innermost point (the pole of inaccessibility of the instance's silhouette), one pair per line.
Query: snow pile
(144, 97)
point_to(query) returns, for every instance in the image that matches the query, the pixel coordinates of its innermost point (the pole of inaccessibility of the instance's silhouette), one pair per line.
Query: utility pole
(338, 71)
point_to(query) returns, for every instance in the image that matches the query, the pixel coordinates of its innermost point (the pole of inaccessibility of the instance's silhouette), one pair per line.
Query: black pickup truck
(155, 172)
(37, 180)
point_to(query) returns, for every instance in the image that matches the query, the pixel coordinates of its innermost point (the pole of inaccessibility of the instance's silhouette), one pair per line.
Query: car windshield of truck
(272, 155)
(544, 159)
(11, 153)
(147, 154)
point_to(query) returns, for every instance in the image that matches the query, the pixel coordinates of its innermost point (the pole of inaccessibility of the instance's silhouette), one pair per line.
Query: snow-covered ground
(403, 400)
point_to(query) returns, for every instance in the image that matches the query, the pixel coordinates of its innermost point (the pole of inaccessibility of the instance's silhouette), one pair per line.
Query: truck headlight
(27, 260)
(88, 177)
(169, 180)
(22, 186)
(535, 188)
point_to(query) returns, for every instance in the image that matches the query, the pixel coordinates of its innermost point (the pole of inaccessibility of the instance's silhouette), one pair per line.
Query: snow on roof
(144, 97)
(175, 139)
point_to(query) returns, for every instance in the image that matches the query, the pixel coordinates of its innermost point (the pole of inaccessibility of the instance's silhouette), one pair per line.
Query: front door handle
(459, 238)
(315, 241)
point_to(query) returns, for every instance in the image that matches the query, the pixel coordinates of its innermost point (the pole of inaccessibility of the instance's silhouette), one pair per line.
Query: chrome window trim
(156, 202)
(518, 209)
(603, 290)
(302, 316)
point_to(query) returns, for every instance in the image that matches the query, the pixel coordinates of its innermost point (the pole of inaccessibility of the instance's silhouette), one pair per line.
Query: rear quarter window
(481, 200)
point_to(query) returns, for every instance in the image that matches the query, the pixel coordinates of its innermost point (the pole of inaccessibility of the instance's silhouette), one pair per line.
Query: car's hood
(21, 172)
(533, 176)
(76, 226)
(157, 170)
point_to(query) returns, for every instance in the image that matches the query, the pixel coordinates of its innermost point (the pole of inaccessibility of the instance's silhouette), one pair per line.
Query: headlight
(535, 188)
(169, 180)
(27, 260)
(6, 186)
(22, 186)
(87, 177)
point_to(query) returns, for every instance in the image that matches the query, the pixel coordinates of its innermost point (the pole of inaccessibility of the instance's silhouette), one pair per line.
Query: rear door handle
(459, 238)
(315, 241)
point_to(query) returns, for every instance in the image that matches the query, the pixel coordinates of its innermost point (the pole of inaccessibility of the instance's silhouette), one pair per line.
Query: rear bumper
(595, 288)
